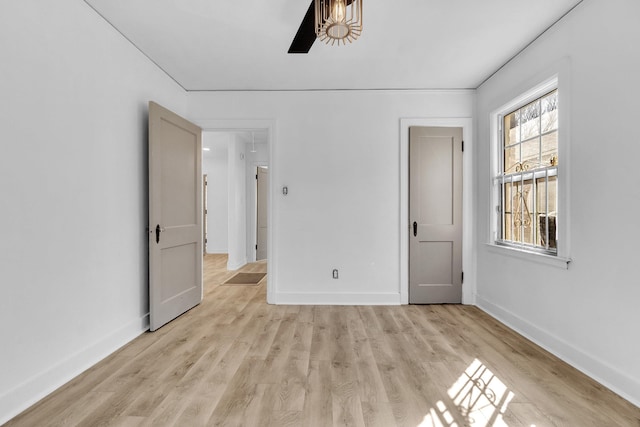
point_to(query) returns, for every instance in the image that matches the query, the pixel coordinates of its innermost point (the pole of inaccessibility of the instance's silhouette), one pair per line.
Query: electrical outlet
(335, 273)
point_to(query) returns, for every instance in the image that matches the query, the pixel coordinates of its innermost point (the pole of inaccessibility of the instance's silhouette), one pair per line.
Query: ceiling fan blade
(306, 34)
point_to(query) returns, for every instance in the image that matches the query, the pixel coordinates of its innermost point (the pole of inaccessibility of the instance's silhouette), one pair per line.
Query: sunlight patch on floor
(478, 396)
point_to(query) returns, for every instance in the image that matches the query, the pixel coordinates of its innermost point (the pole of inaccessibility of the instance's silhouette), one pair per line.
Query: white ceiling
(409, 44)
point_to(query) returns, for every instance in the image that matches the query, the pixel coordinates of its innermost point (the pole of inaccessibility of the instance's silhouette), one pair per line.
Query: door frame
(468, 259)
(268, 126)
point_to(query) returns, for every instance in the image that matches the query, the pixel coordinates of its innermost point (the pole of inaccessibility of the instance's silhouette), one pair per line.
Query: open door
(261, 226)
(175, 215)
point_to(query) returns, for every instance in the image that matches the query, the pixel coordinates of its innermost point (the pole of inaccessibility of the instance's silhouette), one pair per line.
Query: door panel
(178, 276)
(175, 215)
(436, 181)
(438, 269)
(435, 205)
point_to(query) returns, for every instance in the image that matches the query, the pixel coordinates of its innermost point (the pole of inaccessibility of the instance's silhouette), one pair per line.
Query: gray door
(175, 215)
(261, 232)
(205, 202)
(435, 215)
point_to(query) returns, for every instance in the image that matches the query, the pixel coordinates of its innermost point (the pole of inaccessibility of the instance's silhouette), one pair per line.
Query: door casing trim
(468, 257)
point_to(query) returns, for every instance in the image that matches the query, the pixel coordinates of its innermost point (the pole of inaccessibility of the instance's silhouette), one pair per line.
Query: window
(527, 178)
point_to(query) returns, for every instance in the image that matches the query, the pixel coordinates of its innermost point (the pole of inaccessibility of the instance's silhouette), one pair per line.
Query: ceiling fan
(332, 21)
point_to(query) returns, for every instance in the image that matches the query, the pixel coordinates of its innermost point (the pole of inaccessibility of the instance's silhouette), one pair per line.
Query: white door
(175, 215)
(435, 215)
(261, 232)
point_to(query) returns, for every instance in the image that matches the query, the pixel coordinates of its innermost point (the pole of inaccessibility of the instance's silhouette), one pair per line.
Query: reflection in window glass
(512, 159)
(512, 130)
(530, 120)
(530, 158)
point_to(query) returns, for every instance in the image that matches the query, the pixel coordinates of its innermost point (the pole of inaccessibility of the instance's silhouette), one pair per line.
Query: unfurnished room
(319, 213)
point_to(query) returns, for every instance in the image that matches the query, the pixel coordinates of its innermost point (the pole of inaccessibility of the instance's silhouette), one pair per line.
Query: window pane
(530, 120)
(511, 128)
(553, 195)
(541, 214)
(553, 203)
(516, 200)
(531, 154)
(506, 224)
(512, 159)
(550, 112)
(527, 213)
(550, 149)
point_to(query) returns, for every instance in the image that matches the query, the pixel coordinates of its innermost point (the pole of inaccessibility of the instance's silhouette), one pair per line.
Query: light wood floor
(236, 361)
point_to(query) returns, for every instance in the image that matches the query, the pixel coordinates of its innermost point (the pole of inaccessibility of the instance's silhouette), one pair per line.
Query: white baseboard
(316, 298)
(217, 251)
(607, 375)
(34, 389)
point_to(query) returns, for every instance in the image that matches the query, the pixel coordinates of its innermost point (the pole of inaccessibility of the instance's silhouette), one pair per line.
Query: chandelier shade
(338, 21)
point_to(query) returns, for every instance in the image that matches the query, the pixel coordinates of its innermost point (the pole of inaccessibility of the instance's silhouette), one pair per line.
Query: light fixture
(338, 20)
(253, 139)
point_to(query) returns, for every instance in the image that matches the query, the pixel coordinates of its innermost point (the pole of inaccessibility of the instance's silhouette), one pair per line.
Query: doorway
(246, 144)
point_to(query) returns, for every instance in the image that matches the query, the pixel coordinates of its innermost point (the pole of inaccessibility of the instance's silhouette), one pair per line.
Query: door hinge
(463, 146)
(256, 176)
(462, 277)
(256, 247)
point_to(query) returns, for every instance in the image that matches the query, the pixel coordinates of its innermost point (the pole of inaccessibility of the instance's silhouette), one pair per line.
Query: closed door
(205, 201)
(175, 215)
(435, 215)
(261, 231)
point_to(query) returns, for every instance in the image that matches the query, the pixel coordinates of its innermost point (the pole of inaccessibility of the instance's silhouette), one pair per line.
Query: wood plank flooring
(236, 361)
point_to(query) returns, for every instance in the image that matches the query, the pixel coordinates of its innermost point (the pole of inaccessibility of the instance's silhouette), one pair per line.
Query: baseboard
(607, 375)
(34, 389)
(217, 251)
(317, 298)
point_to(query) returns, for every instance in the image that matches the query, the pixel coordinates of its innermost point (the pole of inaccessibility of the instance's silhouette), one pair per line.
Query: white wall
(338, 152)
(214, 164)
(588, 314)
(73, 129)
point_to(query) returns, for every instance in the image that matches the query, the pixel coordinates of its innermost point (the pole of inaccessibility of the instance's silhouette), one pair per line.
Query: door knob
(415, 229)
(158, 231)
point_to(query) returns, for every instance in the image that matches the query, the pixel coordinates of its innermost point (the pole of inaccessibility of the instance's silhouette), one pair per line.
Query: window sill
(553, 260)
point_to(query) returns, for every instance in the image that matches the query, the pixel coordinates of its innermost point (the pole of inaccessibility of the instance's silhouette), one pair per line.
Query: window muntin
(528, 176)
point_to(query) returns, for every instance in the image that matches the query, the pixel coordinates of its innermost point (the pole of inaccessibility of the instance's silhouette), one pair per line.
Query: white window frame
(561, 257)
